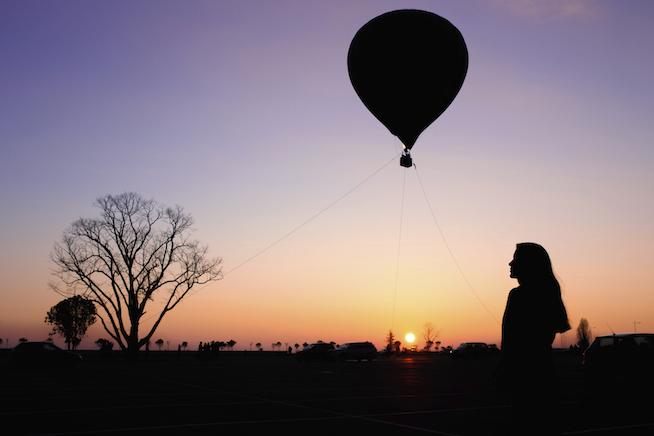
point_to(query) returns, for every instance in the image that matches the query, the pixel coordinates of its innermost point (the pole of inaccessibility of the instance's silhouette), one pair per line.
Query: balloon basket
(405, 160)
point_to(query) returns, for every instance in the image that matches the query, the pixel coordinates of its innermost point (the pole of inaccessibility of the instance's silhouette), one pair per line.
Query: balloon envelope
(407, 66)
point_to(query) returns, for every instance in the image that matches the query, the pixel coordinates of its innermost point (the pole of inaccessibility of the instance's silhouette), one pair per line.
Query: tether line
(299, 226)
(312, 217)
(399, 246)
(449, 249)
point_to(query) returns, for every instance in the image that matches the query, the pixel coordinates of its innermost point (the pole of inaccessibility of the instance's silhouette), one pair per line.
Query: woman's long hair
(536, 272)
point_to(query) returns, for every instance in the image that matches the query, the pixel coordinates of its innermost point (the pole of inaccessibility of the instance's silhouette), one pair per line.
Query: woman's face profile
(514, 266)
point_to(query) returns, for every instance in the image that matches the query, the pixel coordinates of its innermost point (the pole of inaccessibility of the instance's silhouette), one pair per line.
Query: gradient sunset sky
(242, 112)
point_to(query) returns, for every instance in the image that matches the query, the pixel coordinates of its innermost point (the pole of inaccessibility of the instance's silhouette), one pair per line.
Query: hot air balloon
(407, 66)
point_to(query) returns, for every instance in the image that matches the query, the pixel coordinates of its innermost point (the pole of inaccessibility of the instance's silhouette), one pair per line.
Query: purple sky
(242, 112)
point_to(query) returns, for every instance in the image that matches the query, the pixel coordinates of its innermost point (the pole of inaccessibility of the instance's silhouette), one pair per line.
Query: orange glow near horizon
(287, 295)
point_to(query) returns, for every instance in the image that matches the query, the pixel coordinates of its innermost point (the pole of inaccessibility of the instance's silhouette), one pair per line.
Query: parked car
(356, 351)
(41, 354)
(623, 357)
(317, 351)
(471, 350)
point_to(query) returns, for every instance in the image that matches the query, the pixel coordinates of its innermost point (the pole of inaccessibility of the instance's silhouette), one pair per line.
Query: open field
(249, 393)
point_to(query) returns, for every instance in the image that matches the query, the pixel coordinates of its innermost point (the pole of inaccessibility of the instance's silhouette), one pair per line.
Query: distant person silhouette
(534, 314)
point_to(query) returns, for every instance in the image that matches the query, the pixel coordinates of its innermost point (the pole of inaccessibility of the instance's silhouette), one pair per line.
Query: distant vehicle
(472, 350)
(317, 351)
(356, 351)
(620, 357)
(41, 354)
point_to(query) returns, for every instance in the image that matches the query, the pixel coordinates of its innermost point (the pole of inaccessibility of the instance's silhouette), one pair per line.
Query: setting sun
(410, 338)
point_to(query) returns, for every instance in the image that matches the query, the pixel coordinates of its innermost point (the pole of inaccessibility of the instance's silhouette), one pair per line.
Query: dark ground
(254, 393)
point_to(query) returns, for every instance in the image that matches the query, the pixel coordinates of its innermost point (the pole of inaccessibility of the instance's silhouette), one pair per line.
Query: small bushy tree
(104, 344)
(71, 318)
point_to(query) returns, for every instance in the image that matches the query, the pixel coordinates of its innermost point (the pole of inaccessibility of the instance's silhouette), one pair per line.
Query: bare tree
(159, 343)
(584, 335)
(429, 335)
(136, 252)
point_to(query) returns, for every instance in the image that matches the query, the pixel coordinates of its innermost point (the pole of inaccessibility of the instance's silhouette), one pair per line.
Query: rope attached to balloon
(449, 249)
(312, 217)
(302, 224)
(399, 246)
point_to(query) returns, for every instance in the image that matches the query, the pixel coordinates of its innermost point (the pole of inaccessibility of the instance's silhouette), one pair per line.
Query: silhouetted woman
(534, 314)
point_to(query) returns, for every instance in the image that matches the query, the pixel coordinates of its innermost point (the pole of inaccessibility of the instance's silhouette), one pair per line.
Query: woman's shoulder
(514, 291)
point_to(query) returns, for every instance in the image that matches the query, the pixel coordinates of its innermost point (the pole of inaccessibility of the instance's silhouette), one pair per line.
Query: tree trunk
(133, 346)
(132, 351)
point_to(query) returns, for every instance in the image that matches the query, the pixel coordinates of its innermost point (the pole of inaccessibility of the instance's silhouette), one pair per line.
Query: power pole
(635, 323)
